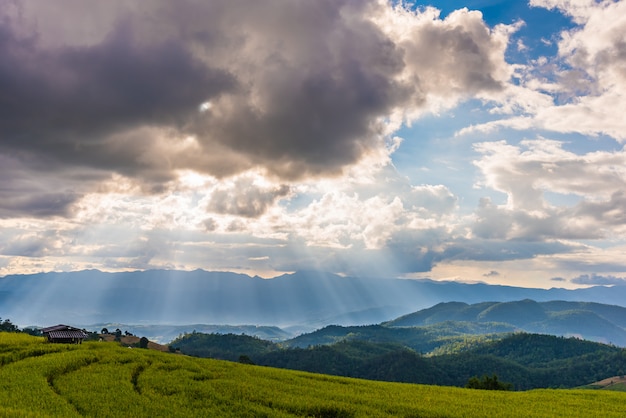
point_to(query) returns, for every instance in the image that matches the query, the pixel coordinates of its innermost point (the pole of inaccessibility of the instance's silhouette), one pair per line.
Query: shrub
(488, 383)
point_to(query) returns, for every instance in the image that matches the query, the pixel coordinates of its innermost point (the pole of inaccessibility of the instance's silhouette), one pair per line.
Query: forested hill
(525, 360)
(449, 343)
(591, 321)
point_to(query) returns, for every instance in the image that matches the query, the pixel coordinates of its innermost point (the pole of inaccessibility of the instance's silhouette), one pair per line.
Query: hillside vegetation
(107, 380)
(591, 321)
(373, 352)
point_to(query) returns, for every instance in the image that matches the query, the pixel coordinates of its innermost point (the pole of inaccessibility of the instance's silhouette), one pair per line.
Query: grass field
(106, 380)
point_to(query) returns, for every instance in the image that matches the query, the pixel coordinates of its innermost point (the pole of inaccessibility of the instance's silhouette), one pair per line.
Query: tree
(488, 383)
(8, 326)
(32, 331)
(243, 359)
(143, 342)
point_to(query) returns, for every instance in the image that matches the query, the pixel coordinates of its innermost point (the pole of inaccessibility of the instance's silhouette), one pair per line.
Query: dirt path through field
(610, 381)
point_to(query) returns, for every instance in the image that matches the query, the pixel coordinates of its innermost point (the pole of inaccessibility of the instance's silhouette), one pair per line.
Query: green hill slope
(103, 379)
(526, 360)
(422, 339)
(591, 321)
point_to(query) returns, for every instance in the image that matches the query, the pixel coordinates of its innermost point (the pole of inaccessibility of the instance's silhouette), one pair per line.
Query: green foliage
(487, 383)
(527, 360)
(106, 380)
(518, 313)
(425, 339)
(8, 326)
(620, 387)
(243, 359)
(541, 350)
(36, 332)
(143, 342)
(222, 346)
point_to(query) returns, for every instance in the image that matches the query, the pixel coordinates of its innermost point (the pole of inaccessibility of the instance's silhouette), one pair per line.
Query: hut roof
(67, 334)
(63, 331)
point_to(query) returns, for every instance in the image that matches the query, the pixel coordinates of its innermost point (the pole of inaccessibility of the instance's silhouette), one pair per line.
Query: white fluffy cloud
(586, 80)
(525, 173)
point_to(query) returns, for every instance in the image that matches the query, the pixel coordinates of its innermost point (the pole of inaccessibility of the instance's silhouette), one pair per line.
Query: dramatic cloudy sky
(481, 141)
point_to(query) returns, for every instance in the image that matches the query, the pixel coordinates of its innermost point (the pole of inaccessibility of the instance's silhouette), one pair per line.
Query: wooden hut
(64, 334)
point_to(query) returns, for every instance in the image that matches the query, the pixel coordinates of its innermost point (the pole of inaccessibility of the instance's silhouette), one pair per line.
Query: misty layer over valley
(282, 307)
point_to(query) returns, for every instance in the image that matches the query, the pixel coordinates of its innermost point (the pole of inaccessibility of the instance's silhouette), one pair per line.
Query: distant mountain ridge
(303, 300)
(591, 321)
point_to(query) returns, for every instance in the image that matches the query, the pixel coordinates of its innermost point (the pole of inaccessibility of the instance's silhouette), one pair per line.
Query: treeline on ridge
(526, 360)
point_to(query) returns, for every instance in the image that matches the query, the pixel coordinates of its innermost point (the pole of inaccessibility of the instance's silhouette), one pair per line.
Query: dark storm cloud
(66, 102)
(24, 192)
(39, 205)
(319, 98)
(295, 88)
(81, 92)
(316, 82)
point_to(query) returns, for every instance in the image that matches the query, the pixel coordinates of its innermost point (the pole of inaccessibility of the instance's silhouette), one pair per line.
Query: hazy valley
(299, 302)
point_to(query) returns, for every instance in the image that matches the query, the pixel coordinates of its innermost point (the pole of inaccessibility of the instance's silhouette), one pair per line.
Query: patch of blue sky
(430, 153)
(605, 244)
(430, 143)
(430, 156)
(576, 143)
(583, 144)
(298, 201)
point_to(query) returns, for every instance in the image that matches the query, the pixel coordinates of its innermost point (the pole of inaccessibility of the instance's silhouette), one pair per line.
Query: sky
(479, 141)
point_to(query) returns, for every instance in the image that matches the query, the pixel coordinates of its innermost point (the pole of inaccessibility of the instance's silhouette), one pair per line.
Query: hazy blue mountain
(613, 313)
(518, 313)
(300, 301)
(591, 321)
(163, 334)
(583, 324)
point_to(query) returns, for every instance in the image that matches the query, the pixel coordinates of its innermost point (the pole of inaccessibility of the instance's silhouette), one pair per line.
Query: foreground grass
(104, 379)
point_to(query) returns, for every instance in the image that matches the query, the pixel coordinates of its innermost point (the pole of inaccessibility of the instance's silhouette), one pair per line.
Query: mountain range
(297, 302)
(448, 322)
(587, 320)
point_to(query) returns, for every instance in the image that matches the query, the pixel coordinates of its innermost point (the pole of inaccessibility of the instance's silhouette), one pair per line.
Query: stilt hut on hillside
(64, 334)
